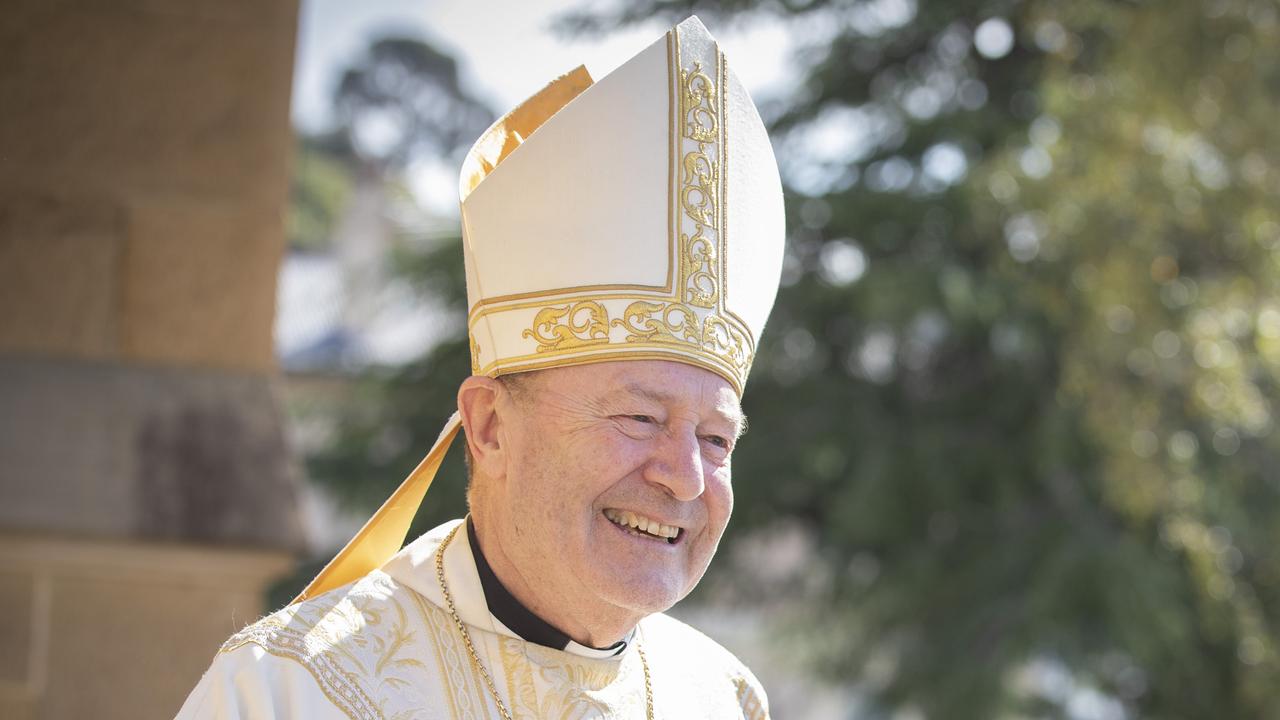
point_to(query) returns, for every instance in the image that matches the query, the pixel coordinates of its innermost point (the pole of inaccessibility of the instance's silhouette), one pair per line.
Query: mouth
(644, 527)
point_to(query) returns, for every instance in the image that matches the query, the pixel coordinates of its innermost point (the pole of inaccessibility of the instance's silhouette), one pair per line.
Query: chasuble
(385, 646)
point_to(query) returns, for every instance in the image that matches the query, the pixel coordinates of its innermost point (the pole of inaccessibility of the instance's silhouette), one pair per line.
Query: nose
(677, 464)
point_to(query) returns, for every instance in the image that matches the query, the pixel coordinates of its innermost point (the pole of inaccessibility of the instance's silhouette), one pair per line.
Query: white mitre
(638, 217)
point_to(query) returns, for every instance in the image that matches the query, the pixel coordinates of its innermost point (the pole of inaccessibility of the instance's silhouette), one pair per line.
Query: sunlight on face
(618, 483)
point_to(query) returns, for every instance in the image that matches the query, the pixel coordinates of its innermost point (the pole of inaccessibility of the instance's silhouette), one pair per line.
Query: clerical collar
(519, 619)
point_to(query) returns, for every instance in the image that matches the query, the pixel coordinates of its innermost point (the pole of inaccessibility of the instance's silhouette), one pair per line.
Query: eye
(646, 419)
(718, 441)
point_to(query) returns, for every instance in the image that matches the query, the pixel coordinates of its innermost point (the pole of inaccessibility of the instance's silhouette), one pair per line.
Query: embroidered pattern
(519, 675)
(670, 322)
(694, 318)
(572, 326)
(579, 689)
(309, 634)
(749, 701)
(370, 653)
(380, 651)
(700, 190)
(701, 200)
(461, 687)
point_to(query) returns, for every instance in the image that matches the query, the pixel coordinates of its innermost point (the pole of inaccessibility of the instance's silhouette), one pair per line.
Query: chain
(648, 685)
(475, 657)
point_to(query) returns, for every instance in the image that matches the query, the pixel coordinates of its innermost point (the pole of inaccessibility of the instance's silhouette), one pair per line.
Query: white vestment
(386, 647)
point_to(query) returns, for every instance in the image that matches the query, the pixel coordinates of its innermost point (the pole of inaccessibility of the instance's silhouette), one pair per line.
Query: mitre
(638, 217)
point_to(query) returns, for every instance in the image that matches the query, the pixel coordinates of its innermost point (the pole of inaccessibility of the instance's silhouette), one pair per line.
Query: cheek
(719, 498)
(613, 454)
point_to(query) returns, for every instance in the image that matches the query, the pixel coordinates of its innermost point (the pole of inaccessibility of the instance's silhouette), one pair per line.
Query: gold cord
(475, 657)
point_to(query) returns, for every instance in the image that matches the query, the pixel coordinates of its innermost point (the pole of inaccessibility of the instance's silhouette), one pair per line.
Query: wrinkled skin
(555, 449)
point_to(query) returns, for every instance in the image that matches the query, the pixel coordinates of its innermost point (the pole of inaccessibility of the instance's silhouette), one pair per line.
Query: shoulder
(704, 661)
(321, 624)
(308, 654)
(248, 683)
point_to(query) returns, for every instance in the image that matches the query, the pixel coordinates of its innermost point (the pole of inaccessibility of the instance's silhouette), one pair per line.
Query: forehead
(669, 383)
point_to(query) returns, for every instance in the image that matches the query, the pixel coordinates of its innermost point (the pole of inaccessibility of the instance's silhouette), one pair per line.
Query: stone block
(199, 283)
(59, 256)
(17, 591)
(121, 630)
(133, 97)
(145, 452)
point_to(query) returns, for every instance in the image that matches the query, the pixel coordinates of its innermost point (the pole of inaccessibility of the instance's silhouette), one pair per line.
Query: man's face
(597, 449)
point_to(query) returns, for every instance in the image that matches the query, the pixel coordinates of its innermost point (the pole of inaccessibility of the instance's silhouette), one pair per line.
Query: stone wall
(147, 493)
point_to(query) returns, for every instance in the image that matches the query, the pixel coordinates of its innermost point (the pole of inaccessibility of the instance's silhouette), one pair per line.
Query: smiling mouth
(644, 527)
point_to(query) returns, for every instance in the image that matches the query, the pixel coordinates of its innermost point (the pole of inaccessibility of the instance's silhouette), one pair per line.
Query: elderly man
(622, 245)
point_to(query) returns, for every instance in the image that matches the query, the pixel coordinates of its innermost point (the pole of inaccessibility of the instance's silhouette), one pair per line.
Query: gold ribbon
(383, 535)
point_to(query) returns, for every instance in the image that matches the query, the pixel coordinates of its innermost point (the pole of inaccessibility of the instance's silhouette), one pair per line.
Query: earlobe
(478, 405)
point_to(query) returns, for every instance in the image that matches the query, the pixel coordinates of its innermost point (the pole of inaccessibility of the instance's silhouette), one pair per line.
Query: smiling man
(623, 241)
(619, 495)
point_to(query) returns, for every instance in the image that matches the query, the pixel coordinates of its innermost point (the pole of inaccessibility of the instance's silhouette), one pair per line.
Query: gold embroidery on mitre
(700, 188)
(670, 322)
(698, 107)
(700, 197)
(572, 326)
(697, 270)
(728, 342)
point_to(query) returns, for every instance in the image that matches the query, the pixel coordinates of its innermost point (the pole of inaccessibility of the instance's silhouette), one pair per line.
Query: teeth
(626, 518)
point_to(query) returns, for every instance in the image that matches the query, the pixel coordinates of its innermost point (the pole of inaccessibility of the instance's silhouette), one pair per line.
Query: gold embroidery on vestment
(519, 675)
(749, 701)
(466, 696)
(310, 635)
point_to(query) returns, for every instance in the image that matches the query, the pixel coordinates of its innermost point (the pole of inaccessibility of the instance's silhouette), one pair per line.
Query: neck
(593, 626)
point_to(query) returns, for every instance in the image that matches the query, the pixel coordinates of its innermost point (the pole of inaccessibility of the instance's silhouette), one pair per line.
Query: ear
(478, 400)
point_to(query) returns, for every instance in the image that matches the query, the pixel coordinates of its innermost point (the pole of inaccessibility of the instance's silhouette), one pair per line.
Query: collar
(520, 619)
(415, 567)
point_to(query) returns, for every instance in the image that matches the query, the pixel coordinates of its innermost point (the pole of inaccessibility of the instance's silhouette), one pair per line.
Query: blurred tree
(1016, 389)
(400, 102)
(1022, 370)
(398, 412)
(320, 189)
(404, 100)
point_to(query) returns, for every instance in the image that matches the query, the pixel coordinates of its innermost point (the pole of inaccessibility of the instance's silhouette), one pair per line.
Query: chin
(654, 596)
(648, 604)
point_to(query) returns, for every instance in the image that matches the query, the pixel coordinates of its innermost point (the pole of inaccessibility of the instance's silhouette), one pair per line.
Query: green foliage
(404, 100)
(1033, 440)
(400, 412)
(393, 417)
(318, 195)
(399, 102)
(1036, 433)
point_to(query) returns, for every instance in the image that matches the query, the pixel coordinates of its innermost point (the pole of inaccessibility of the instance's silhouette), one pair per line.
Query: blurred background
(1011, 450)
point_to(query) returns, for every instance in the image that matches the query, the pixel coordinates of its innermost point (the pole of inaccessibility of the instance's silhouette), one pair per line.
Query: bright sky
(506, 49)
(506, 52)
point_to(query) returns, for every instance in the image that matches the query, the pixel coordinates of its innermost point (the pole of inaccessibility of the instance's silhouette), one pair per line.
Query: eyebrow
(661, 397)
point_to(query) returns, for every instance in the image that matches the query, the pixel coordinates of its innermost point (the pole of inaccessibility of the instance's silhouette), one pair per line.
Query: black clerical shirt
(520, 619)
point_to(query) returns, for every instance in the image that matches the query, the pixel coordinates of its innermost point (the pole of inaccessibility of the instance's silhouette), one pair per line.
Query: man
(623, 242)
